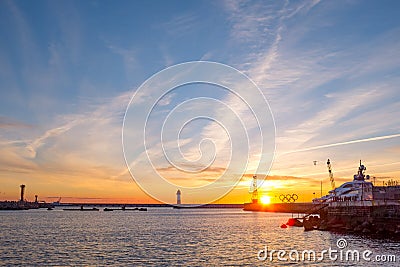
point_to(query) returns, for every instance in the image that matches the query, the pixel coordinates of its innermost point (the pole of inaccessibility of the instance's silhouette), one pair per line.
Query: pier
(301, 207)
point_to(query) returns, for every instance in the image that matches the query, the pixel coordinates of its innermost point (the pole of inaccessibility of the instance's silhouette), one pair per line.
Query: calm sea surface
(168, 237)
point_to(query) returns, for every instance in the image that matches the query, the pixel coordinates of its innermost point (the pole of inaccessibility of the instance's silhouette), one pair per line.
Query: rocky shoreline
(382, 221)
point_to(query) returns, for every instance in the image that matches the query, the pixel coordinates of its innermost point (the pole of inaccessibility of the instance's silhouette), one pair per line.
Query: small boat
(135, 209)
(82, 209)
(139, 209)
(294, 222)
(49, 208)
(107, 209)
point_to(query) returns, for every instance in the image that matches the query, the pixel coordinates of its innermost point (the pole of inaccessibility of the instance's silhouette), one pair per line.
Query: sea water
(171, 237)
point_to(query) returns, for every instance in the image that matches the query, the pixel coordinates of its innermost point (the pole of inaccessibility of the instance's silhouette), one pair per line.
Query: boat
(294, 222)
(57, 203)
(359, 206)
(135, 209)
(81, 209)
(107, 209)
(138, 209)
(360, 189)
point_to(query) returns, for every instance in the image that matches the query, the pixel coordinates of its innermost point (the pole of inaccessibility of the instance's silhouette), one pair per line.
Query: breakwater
(367, 217)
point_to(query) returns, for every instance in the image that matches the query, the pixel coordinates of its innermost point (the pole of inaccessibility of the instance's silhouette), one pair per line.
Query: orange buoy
(283, 225)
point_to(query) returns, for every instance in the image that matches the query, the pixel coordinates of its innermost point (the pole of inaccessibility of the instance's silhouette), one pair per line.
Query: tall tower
(22, 192)
(178, 197)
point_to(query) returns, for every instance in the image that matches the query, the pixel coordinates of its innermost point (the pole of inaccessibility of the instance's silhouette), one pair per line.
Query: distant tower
(22, 192)
(36, 196)
(178, 197)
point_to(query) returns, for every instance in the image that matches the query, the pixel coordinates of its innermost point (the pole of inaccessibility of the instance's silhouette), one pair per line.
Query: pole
(321, 188)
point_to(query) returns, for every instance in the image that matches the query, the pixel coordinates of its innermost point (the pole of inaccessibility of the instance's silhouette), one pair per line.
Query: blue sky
(330, 71)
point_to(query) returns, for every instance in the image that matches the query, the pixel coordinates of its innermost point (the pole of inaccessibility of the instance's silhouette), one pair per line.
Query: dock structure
(301, 207)
(380, 217)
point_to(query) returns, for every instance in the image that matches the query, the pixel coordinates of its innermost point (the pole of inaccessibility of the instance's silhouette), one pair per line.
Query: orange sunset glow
(199, 133)
(110, 129)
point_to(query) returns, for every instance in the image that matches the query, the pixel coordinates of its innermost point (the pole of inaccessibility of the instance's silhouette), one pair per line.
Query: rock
(366, 231)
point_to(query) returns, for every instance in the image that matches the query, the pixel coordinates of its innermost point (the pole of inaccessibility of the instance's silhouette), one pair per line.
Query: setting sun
(265, 199)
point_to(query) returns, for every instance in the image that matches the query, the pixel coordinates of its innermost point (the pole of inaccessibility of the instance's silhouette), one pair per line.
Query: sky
(329, 71)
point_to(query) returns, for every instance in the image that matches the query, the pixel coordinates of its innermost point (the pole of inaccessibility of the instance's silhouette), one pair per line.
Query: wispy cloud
(6, 122)
(95, 133)
(377, 138)
(318, 91)
(129, 57)
(38, 142)
(180, 25)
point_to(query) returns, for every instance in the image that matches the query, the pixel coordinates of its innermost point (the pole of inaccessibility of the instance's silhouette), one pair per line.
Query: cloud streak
(377, 138)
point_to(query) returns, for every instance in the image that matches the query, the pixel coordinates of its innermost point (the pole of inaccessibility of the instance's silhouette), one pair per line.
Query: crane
(254, 194)
(328, 163)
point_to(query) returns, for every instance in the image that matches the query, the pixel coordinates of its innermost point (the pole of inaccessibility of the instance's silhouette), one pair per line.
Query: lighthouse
(178, 197)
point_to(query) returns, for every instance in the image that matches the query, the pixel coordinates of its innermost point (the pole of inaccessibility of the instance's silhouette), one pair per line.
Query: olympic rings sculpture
(288, 198)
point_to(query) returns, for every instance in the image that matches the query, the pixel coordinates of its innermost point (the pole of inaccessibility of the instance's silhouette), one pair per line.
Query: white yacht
(357, 190)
